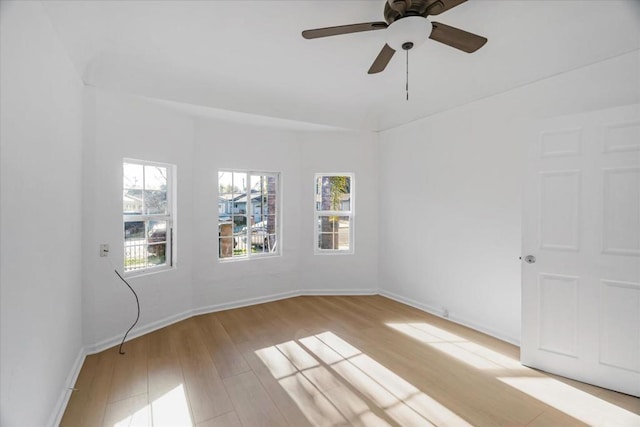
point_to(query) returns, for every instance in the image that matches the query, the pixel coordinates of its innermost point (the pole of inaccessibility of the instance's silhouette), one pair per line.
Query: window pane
(226, 247)
(270, 224)
(334, 232)
(239, 223)
(239, 183)
(333, 193)
(132, 184)
(225, 182)
(155, 178)
(132, 176)
(135, 245)
(344, 233)
(271, 243)
(258, 183)
(131, 202)
(157, 231)
(157, 239)
(155, 202)
(134, 230)
(135, 254)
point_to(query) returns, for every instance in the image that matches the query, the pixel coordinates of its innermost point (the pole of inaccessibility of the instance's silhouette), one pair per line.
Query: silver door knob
(530, 259)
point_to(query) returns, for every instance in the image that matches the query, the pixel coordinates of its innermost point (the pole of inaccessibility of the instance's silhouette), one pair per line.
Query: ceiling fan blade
(440, 6)
(455, 37)
(343, 29)
(382, 60)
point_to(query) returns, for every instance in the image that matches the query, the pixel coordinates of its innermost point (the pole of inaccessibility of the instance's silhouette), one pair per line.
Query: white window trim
(350, 213)
(278, 217)
(170, 253)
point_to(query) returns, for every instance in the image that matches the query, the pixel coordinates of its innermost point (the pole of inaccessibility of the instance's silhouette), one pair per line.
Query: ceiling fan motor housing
(411, 8)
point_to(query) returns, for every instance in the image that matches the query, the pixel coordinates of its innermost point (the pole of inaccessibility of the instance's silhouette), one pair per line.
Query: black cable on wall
(138, 315)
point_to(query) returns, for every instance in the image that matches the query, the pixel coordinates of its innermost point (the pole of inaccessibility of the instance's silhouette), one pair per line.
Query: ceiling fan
(407, 26)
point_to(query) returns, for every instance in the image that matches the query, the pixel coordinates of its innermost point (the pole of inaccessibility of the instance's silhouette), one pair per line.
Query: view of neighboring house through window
(147, 215)
(248, 214)
(334, 213)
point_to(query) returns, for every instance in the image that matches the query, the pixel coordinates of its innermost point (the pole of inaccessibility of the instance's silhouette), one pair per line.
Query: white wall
(40, 217)
(298, 156)
(348, 152)
(222, 145)
(451, 199)
(118, 127)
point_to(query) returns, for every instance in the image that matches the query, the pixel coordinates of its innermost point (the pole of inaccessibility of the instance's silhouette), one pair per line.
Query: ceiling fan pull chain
(407, 46)
(407, 86)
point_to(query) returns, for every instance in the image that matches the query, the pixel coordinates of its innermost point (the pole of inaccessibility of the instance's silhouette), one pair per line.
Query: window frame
(317, 214)
(249, 255)
(169, 217)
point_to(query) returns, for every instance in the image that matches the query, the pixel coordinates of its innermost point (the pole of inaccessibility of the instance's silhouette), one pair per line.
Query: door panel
(621, 231)
(559, 306)
(581, 299)
(559, 210)
(620, 302)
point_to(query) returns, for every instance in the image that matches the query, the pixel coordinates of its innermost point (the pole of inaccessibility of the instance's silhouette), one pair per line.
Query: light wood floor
(361, 360)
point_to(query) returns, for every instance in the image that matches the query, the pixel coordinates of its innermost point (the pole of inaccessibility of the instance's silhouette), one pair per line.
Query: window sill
(147, 272)
(350, 252)
(252, 258)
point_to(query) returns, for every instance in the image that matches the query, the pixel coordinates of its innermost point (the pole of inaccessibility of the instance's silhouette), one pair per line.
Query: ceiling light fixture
(407, 33)
(410, 29)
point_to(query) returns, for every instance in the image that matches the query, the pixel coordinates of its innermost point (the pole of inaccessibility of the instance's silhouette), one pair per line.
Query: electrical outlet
(104, 249)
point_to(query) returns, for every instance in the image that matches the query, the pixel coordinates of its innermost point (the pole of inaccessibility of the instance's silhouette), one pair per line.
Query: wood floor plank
(132, 411)
(206, 392)
(222, 350)
(253, 405)
(363, 361)
(269, 369)
(242, 324)
(230, 419)
(89, 402)
(130, 371)
(78, 401)
(167, 392)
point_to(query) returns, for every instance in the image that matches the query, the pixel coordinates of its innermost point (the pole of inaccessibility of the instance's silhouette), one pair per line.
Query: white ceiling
(249, 56)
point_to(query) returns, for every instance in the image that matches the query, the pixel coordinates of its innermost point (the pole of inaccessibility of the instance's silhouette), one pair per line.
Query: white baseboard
(337, 292)
(437, 311)
(137, 332)
(244, 303)
(63, 400)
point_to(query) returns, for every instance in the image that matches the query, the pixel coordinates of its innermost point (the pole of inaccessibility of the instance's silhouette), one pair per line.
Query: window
(147, 211)
(334, 213)
(248, 214)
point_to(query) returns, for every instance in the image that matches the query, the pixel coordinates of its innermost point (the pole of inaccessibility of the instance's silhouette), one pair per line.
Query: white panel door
(581, 222)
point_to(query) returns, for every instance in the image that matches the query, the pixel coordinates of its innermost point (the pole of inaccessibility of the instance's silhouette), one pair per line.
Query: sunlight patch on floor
(319, 373)
(475, 355)
(141, 418)
(318, 394)
(576, 403)
(569, 400)
(169, 410)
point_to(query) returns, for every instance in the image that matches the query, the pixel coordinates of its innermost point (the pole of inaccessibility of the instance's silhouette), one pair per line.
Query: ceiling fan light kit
(407, 26)
(413, 29)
